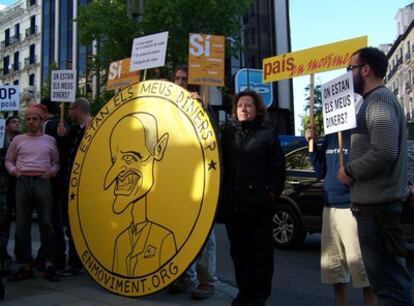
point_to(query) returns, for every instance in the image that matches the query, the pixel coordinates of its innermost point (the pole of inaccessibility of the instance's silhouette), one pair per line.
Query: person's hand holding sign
(310, 133)
(343, 177)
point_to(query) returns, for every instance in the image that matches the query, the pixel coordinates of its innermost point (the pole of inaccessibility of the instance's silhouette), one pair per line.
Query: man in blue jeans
(377, 176)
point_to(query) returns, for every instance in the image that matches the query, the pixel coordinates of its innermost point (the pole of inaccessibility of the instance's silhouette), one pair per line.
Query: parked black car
(299, 209)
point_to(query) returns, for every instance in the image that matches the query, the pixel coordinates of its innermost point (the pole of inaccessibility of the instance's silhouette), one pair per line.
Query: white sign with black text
(149, 51)
(9, 98)
(338, 104)
(63, 86)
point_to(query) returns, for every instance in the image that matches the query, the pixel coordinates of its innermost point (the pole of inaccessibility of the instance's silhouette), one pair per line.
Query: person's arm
(277, 166)
(11, 157)
(54, 160)
(318, 156)
(384, 135)
(410, 199)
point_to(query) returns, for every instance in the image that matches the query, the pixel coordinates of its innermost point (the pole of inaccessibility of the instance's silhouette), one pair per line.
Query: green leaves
(107, 21)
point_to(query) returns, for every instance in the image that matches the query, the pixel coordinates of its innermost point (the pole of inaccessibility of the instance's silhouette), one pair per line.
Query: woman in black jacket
(254, 175)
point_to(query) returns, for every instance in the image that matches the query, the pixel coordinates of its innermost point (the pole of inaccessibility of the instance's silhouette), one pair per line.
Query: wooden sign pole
(205, 96)
(341, 149)
(311, 108)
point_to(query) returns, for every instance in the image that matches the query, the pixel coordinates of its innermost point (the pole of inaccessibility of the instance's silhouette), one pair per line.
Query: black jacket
(254, 166)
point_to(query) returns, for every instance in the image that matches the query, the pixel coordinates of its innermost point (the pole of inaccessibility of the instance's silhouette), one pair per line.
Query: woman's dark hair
(257, 100)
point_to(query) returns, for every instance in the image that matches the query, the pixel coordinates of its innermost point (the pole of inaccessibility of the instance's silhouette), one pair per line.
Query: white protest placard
(149, 51)
(2, 132)
(338, 104)
(9, 98)
(63, 86)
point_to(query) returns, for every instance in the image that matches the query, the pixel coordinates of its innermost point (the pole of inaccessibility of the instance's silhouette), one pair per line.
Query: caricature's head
(134, 146)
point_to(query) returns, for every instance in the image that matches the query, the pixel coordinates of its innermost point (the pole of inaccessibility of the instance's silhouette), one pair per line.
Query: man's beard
(359, 83)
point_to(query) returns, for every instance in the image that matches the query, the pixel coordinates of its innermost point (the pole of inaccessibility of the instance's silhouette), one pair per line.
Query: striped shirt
(378, 161)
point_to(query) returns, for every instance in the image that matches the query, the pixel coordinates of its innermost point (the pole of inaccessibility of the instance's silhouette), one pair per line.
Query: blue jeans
(33, 191)
(204, 268)
(387, 272)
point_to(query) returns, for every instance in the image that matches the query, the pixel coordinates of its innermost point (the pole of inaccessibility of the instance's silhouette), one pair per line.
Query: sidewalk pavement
(82, 290)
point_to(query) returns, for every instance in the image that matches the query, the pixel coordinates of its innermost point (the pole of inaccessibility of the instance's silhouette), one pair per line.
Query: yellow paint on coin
(144, 188)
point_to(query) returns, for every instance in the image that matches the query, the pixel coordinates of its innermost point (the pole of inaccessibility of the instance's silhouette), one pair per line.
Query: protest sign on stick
(63, 88)
(338, 105)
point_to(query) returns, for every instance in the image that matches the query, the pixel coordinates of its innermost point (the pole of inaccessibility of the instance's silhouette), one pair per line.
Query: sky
(318, 22)
(4, 3)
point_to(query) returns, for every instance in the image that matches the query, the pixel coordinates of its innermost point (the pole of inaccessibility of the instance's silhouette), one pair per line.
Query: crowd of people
(362, 236)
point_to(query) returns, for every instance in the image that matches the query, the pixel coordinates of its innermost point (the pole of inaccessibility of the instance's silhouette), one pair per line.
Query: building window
(33, 24)
(31, 79)
(16, 82)
(7, 37)
(6, 62)
(17, 31)
(31, 2)
(16, 61)
(32, 56)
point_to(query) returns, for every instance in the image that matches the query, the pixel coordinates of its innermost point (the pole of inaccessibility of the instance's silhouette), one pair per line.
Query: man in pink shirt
(33, 159)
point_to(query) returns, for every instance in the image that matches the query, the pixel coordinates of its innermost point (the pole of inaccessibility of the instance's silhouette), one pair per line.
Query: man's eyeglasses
(72, 107)
(351, 67)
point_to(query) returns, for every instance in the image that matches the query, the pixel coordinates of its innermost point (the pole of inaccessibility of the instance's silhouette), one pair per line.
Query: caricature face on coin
(144, 188)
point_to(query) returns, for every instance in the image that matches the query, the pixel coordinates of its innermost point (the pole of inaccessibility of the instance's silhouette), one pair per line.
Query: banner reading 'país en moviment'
(322, 58)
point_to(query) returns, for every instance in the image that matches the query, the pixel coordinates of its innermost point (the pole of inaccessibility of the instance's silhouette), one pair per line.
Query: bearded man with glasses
(377, 176)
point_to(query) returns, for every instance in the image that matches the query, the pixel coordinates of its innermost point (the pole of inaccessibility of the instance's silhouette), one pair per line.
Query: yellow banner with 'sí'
(322, 58)
(206, 60)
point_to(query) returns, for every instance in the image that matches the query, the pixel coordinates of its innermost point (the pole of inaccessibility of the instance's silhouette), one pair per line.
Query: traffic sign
(251, 79)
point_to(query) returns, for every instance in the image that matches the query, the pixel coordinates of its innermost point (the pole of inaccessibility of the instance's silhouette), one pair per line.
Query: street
(296, 280)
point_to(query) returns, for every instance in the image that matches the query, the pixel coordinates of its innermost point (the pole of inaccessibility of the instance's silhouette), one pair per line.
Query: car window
(299, 160)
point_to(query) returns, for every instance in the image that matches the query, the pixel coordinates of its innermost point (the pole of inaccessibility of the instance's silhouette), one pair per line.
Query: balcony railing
(30, 3)
(29, 60)
(15, 39)
(12, 40)
(31, 31)
(16, 66)
(408, 86)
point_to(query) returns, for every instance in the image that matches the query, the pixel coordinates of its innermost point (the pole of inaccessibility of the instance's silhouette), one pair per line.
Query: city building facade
(60, 45)
(266, 33)
(400, 74)
(20, 47)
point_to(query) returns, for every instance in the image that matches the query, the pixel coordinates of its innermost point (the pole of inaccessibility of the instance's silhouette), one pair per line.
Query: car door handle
(294, 183)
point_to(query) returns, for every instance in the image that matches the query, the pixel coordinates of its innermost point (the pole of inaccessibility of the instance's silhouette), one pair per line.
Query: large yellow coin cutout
(144, 188)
